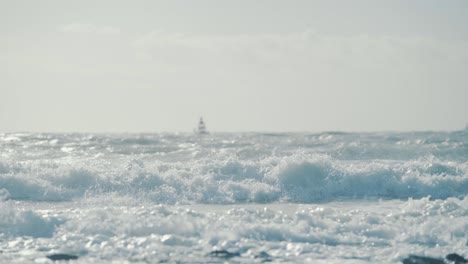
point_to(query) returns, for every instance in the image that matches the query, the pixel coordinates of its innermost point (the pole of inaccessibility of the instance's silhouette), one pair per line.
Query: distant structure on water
(202, 127)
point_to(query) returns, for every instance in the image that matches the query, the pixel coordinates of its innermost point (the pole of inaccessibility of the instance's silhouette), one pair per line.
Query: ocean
(329, 197)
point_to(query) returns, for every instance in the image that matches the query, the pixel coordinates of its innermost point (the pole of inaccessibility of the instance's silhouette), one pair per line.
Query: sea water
(234, 197)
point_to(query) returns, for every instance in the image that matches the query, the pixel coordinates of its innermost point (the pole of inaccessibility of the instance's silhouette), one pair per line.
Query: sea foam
(235, 168)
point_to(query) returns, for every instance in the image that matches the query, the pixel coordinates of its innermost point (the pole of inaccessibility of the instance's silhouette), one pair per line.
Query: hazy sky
(153, 66)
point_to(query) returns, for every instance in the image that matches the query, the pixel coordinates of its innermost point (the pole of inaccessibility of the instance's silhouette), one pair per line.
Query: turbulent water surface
(150, 198)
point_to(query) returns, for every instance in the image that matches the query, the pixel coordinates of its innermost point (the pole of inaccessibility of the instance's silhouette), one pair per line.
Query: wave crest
(299, 178)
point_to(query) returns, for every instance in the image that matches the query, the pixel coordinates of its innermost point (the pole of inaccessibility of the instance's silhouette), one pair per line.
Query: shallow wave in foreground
(112, 230)
(234, 168)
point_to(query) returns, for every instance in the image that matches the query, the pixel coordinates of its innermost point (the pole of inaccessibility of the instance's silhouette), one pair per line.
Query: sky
(264, 65)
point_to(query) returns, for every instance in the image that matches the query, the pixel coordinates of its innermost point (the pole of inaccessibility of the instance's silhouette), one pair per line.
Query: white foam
(367, 230)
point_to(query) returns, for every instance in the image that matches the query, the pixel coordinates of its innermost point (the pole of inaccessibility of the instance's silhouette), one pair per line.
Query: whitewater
(329, 197)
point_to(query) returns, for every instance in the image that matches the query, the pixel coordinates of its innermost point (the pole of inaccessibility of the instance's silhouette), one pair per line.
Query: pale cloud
(89, 29)
(303, 49)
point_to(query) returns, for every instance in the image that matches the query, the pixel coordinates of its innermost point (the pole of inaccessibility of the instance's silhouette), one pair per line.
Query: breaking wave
(234, 168)
(297, 178)
(25, 223)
